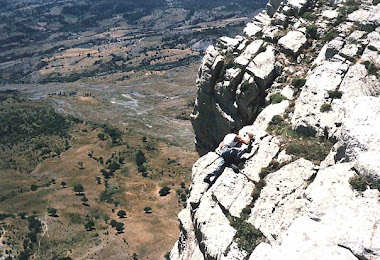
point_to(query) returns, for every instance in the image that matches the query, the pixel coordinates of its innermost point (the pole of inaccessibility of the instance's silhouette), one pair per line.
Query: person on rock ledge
(230, 153)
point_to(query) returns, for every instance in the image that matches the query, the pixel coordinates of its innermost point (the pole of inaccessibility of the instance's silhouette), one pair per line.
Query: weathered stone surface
(268, 148)
(360, 134)
(307, 115)
(238, 188)
(252, 29)
(230, 43)
(187, 247)
(263, 67)
(330, 14)
(297, 5)
(350, 51)
(357, 83)
(370, 14)
(272, 6)
(201, 168)
(263, 119)
(352, 220)
(246, 95)
(210, 225)
(293, 42)
(333, 47)
(249, 53)
(279, 203)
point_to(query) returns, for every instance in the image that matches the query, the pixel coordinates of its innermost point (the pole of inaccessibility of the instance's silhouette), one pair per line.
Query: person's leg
(219, 167)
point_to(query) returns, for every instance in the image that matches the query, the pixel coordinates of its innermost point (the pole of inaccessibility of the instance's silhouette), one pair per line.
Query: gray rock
(262, 68)
(333, 47)
(297, 5)
(360, 134)
(263, 119)
(187, 247)
(238, 188)
(307, 116)
(211, 224)
(293, 42)
(279, 203)
(252, 29)
(249, 53)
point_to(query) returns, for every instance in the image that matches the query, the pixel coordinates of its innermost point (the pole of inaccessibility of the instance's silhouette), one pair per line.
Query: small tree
(183, 185)
(63, 184)
(33, 187)
(113, 223)
(119, 227)
(98, 180)
(52, 212)
(140, 158)
(78, 188)
(121, 213)
(164, 191)
(89, 225)
(81, 165)
(148, 210)
(84, 200)
(22, 215)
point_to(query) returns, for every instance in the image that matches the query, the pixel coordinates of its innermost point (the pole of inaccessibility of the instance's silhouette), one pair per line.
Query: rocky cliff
(304, 79)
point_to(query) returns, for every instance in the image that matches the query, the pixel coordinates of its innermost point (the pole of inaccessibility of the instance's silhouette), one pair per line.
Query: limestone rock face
(293, 42)
(289, 89)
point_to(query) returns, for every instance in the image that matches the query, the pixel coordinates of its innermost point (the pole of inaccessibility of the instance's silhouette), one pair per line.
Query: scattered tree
(119, 227)
(63, 184)
(148, 210)
(121, 213)
(81, 165)
(78, 188)
(84, 200)
(164, 191)
(33, 187)
(22, 215)
(52, 212)
(89, 225)
(98, 180)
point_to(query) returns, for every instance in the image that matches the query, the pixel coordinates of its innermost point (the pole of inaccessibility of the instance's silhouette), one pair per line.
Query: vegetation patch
(311, 31)
(298, 144)
(298, 82)
(326, 107)
(371, 67)
(276, 98)
(329, 36)
(362, 182)
(333, 94)
(30, 131)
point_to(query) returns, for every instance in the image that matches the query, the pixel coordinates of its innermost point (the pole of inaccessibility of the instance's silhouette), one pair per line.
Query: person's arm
(221, 145)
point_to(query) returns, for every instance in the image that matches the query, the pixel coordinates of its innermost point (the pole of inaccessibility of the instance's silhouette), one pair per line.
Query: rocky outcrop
(309, 188)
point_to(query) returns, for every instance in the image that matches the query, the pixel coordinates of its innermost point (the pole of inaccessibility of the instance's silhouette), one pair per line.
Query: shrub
(121, 213)
(371, 67)
(361, 182)
(298, 82)
(334, 94)
(140, 158)
(329, 36)
(244, 85)
(52, 211)
(325, 108)
(372, 48)
(311, 31)
(276, 120)
(148, 210)
(310, 16)
(358, 182)
(276, 98)
(78, 188)
(375, 2)
(33, 187)
(247, 236)
(164, 191)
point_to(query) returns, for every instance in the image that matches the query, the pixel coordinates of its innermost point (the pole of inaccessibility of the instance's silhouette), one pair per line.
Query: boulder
(187, 247)
(297, 5)
(238, 188)
(293, 42)
(249, 53)
(360, 134)
(262, 68)
(333, 47)
(268, 148)
(263, 119)
(279, 202)
(210, 225)
(252, 29)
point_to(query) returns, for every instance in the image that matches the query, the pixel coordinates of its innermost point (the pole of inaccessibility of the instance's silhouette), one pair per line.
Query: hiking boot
(235, 168)
(207, 179)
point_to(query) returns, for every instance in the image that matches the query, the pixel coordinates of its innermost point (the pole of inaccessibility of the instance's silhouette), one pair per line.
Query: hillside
(67, 41)
(304, 79)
